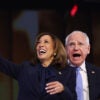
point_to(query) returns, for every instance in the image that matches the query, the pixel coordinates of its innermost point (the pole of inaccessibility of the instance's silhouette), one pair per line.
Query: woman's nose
(41, 44)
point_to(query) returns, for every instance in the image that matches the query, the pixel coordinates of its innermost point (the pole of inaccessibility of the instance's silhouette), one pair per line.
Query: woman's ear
(54, 54)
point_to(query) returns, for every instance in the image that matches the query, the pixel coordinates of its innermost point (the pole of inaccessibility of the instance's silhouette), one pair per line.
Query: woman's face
(45, 49)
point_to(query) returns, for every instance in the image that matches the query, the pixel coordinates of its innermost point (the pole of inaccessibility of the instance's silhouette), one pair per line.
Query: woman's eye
(46, 41)
(37, 42)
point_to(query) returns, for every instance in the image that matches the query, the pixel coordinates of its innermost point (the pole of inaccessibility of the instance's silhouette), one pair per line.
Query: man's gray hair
(77, 31)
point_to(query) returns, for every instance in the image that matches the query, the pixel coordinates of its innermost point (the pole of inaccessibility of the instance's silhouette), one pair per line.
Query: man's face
(77, 48)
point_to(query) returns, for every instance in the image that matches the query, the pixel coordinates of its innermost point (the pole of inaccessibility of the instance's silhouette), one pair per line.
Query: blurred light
(74, 10)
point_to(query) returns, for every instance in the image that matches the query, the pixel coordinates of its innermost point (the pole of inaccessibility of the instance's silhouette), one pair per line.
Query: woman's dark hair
(60, 57)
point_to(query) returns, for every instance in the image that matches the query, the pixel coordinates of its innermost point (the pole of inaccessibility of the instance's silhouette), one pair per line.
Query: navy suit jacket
(93, 73)
(29, 83)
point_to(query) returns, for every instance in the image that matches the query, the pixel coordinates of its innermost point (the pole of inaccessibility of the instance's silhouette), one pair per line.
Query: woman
(46, 77)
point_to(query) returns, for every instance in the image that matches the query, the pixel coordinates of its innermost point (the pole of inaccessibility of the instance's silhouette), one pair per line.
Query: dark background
(21, 21)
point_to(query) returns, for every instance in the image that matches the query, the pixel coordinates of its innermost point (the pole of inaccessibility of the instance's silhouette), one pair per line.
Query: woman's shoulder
(29, 64)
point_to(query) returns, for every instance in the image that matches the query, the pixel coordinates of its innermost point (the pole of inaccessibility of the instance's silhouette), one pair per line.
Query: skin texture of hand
(54, 87)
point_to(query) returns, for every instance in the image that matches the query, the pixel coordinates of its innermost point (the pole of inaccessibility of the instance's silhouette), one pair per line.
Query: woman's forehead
(45, 37)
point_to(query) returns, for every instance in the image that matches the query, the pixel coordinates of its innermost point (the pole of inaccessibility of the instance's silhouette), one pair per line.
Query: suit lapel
(91, 80)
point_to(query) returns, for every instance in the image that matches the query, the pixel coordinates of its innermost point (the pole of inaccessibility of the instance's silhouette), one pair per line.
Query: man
(78, 47)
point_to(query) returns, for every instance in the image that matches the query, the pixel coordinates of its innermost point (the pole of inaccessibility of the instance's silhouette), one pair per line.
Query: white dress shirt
(84, 80)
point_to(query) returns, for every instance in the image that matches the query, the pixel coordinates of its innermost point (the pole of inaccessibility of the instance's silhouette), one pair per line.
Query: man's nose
(76, 47)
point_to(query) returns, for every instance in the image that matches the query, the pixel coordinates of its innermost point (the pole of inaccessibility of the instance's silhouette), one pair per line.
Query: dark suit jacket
(93, 73)
(27, 76)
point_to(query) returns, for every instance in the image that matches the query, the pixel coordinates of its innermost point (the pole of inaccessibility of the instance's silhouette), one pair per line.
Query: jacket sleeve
(9, 68)
(67, 94)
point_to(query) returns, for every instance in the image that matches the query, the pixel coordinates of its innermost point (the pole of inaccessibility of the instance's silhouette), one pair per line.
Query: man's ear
(89, 49)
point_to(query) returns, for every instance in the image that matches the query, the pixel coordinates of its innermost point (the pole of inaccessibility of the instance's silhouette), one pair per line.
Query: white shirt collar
(82, 66)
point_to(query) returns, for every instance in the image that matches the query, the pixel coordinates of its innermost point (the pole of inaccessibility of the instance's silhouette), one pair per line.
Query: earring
(54, 54)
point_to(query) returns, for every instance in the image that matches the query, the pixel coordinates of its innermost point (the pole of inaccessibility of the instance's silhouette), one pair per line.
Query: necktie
(79, 87)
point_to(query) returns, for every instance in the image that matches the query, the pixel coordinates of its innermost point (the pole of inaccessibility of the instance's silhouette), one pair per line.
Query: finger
(50, 87)
(51, 83)
(52, 91)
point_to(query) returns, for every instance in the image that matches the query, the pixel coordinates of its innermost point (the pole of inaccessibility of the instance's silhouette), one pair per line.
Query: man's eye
(81, 44)
(71, 44)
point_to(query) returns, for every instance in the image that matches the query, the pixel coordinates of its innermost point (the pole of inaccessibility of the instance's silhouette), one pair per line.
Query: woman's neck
(46, 63)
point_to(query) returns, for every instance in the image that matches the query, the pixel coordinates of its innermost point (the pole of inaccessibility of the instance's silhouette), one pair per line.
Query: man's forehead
(76, 37)
(76, 41)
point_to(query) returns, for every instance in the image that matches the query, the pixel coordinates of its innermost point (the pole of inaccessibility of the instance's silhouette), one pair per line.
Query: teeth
(42, 51)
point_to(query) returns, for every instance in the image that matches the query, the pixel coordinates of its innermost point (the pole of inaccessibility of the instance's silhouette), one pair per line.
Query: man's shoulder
(92, 66)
